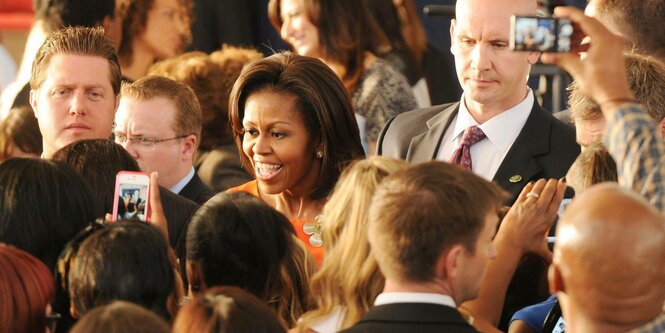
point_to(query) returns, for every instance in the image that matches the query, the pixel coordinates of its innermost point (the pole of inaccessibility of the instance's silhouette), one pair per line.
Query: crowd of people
(317, 190)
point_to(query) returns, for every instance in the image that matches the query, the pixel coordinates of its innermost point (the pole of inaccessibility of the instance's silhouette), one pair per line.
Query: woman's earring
(319, 154)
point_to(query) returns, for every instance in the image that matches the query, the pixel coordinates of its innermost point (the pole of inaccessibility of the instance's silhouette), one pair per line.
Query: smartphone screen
(131, 196)
(543, 34)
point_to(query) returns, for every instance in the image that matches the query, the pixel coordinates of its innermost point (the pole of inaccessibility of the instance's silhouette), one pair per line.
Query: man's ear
(195, 277)
(452, 34)
(555, 280)
(449, 265)
(190, 143)
(661, 126)
(532, 59)
(72, 310)
(33, 101)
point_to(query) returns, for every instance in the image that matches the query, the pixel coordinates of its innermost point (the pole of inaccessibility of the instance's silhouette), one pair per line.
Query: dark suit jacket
(178, 211)
(545, 148)
(220, 168)
(411, 317)
(196, 191)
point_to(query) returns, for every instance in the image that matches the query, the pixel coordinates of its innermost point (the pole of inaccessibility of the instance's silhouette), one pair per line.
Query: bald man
(609, 262)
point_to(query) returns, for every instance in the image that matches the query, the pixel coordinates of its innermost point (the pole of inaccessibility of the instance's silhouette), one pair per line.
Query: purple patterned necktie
(462, 155)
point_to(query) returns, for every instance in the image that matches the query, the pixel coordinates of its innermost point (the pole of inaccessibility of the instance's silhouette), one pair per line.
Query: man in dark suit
(433, 257)
(522, 141)
(159, 123)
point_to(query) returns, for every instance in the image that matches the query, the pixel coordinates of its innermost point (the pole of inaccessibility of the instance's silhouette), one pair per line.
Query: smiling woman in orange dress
(295, 126)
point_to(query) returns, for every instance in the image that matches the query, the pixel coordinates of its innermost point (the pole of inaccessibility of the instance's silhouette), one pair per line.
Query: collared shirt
(633, 140)
(183, 182)
(655, 326)
(407, 297)
(501, 131)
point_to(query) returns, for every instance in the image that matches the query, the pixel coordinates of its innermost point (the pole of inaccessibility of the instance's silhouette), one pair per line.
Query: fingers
(552, 209)
(526, 189)
(155, 196)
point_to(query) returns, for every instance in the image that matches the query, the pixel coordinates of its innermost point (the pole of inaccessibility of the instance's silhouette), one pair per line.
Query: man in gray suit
(520, 141)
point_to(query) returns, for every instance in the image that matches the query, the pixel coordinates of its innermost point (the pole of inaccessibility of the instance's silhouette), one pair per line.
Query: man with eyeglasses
(159, 123)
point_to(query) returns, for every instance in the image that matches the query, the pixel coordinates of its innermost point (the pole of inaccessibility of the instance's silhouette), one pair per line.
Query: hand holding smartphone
(132, 192)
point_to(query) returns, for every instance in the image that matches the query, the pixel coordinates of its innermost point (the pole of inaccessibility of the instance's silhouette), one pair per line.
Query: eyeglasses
(143, 141)
(52, 321)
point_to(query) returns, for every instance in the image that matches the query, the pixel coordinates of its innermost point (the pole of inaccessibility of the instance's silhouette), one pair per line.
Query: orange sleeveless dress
(252, 188)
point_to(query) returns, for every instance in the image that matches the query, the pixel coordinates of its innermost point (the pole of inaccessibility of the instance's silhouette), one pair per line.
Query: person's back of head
(51, 197)
(98, 161)
(120, 317)
(594, 165)
(19, 134)
(431, 210)
(57, 14)
(235, 239)
(27, 289)
(609, 261)
(646, 79)
(638, 21)
(226, 310)
(123, 261)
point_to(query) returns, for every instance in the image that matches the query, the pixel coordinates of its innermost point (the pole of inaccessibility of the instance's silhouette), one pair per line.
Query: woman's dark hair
(236, 239)
(386, 16)
(321, 100)
(20, 129)
(226, 310)
(126, 261)
(346, 32)
(43, 204)
(98, 161)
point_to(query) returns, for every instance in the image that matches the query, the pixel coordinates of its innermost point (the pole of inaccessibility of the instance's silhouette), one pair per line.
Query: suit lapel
(425, 147)
(520, 165)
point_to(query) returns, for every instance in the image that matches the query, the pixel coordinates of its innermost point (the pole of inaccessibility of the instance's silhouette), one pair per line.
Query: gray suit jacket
(545, 147)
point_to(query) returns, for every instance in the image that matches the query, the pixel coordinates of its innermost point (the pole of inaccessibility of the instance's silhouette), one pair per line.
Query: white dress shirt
(407, 297)
(501, 131)
(183, 182)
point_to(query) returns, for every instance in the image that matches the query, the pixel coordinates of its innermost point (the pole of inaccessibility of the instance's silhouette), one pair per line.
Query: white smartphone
(132, 190)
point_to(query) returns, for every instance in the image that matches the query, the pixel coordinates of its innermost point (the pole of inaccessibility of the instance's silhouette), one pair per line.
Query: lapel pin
(515, 179)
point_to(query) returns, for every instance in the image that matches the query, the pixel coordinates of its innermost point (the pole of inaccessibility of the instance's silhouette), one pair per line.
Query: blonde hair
(349, 276)
(291, 297)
